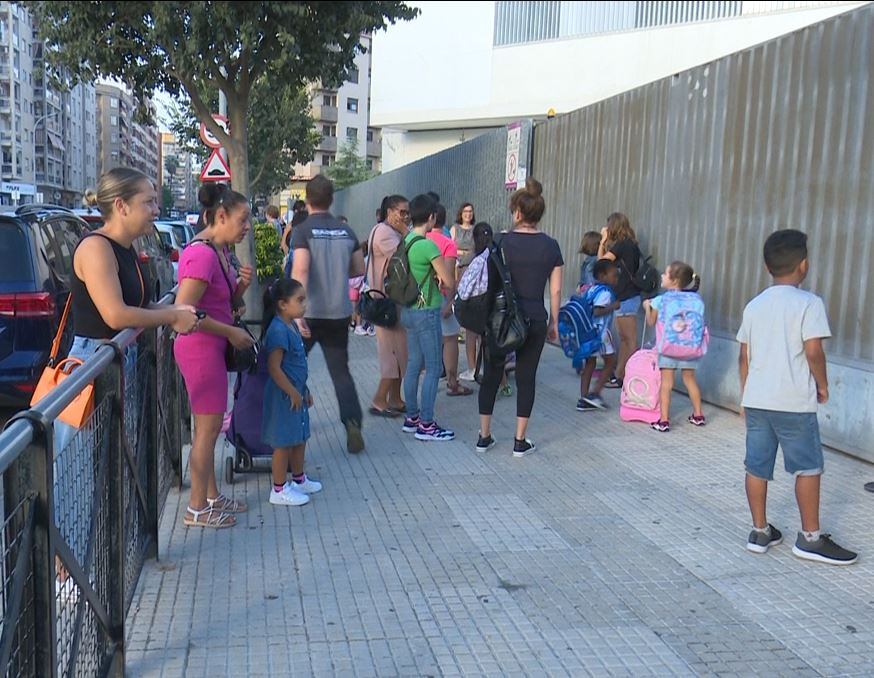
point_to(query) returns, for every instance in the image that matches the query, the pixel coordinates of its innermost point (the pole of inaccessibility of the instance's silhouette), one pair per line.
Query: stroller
(244, 432)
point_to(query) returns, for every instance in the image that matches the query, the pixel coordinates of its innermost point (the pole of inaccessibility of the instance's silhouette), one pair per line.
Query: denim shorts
(666, 363)
(797, 434)
(629, 307)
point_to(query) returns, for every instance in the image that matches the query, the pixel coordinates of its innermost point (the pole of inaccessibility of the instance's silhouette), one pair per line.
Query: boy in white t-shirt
(783, 377)
(604, 303)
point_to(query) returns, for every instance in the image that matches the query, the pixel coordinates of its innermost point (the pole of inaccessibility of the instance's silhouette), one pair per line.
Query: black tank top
(134, 285)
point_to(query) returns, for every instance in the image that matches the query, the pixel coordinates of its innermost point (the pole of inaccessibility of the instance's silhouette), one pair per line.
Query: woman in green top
(422, 322)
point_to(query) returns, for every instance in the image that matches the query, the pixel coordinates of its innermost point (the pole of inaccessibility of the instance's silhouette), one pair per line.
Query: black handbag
(507, 327)
(236, 359)
(374, 306)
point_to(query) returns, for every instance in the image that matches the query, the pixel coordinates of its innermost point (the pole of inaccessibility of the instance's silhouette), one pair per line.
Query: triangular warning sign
(216, 169)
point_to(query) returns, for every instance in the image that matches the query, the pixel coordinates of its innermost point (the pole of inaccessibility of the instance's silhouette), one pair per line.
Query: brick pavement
(612, 551)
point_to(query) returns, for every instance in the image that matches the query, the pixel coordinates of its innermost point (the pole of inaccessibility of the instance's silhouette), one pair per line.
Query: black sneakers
(760, 542)
(522, 448)
(823, 550)
(485, 444)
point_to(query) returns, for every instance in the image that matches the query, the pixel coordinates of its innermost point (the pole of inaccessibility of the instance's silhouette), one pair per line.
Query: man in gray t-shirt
(326, 254)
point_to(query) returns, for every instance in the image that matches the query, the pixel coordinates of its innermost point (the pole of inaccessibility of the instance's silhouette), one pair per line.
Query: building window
(113, 103)
(329, 130)
(370, 164)
(353, 76)
(370, 135)
(327, 159)
(113, 120)
(352, 105)
(351, 133)
(329, 100)
(114, 138)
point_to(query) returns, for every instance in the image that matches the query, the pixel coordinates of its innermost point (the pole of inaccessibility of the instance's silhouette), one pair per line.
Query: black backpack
(401, 285)
(647, 278)
(507, 327)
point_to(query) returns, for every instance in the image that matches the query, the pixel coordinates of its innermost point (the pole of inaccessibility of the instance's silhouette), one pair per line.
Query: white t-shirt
(775, 326)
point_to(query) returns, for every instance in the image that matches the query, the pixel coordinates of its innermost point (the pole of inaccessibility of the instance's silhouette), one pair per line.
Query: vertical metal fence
(79, 522)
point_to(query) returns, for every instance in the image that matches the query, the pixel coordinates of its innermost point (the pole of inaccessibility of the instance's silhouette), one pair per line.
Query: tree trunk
(238, 157)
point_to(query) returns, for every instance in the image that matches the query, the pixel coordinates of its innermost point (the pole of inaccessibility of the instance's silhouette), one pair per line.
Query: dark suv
(36, 262)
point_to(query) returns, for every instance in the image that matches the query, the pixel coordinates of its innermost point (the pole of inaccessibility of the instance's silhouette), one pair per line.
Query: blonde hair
(619, 228)
(119, 182)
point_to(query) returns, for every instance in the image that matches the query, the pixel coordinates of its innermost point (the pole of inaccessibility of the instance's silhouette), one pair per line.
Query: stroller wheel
(229, 470)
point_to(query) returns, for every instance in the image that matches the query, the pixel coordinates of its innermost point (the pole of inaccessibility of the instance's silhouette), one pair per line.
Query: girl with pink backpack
(682, 338)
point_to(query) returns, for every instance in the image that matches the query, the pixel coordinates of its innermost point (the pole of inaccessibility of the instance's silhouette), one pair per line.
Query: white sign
(208, 137)
(216, 169)
(514, 141)
(23, 189)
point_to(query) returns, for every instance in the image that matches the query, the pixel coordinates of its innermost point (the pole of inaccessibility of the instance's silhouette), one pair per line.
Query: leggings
(527, 360)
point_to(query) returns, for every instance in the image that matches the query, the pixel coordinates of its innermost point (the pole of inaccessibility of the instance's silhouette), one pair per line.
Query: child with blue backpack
(681, 338)
(604, 303)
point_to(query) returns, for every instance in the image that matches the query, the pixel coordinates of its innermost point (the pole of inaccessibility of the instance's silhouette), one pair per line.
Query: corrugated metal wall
(470, 172)
(707, 163)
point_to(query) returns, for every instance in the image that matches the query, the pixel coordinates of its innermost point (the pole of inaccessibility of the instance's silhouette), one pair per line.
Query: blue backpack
(578, 333)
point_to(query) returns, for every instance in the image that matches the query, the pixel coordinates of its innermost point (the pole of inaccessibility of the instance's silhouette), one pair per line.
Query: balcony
(325, 113)
(374, 149)
(327, 145)
(5, 103)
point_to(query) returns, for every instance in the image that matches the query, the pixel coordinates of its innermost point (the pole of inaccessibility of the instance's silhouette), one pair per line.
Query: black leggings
(527, 360)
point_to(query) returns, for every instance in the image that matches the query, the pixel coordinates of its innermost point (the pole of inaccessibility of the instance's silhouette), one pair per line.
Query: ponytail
(279, 290)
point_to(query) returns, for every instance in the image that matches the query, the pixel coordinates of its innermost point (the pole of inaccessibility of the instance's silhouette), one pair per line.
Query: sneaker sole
(288, 503)
(587, 409)
(486, 448)
(817, 558)
(519, 455)
(434, 439)
(756, 548)
(597, 406)
(407, 429)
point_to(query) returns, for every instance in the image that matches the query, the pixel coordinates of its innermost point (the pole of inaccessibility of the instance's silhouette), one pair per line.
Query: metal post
(32, 471)
(152, 429)
(111, 384)
(223, 110)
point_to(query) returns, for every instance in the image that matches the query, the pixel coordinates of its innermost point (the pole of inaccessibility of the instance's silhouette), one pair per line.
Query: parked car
(152, 252)
(36, 263)
(174, 235)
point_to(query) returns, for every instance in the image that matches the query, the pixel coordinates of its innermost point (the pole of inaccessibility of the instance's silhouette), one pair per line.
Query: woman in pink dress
(208, 282)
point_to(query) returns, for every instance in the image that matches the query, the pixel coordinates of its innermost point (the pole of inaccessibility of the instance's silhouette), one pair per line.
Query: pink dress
(201, 355)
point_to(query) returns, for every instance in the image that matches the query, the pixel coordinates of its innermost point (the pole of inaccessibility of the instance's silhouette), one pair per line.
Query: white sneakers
(295, 494)
(467, 375)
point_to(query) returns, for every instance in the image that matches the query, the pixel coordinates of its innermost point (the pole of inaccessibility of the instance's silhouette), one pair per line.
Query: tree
(188, 47)
(281, 133)
(167, 199)
(349, 168)
(171, 164)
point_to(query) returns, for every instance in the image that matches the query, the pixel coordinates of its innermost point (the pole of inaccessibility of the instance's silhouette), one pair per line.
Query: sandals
(213, 518)
(226, 504)
(387, 413)
(459, 390)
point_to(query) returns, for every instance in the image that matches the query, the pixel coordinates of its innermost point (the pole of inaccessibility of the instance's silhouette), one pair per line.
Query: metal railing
(79, 522)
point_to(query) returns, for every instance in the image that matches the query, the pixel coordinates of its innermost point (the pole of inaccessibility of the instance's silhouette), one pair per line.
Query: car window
(58, 254)
(181, 234)
(14, 254)
(165, 239)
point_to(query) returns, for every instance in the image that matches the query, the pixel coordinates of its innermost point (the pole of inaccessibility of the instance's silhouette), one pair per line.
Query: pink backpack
(640, 388)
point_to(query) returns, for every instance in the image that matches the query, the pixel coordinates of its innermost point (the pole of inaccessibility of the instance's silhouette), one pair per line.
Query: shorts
(797, 434)
(666, 363)
(629, 307)
(608, 347)
(450, 326)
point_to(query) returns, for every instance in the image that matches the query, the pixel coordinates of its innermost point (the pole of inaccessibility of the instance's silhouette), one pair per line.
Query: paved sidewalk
(614, 551)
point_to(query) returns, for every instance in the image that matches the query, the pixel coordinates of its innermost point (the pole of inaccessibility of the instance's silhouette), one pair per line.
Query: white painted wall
(401, 148)
(468, 83)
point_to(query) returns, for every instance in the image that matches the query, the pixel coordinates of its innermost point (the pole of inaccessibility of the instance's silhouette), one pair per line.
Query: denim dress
(282, 426)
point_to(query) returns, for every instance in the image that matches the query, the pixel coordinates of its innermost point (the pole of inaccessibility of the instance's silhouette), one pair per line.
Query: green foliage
(281, 133)
(197, 48)
(268, 255)
(349, 168)
(167, 198)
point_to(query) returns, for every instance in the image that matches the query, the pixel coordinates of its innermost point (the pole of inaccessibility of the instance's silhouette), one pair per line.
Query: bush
(268, 255)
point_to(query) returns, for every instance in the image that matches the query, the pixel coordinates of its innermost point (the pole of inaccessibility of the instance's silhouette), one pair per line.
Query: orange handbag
(78, 411)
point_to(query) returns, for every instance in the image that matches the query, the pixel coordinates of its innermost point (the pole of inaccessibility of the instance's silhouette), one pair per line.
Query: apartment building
(341, 116)
(121, 141)
(182, 180)
(47, 136)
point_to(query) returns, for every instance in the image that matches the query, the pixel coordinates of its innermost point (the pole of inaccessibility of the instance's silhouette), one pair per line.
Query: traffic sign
(208, 137)
(216, 169)
(514, 142)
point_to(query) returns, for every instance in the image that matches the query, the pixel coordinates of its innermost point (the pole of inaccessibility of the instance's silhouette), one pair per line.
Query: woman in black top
(619, 244)
(533, 259)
